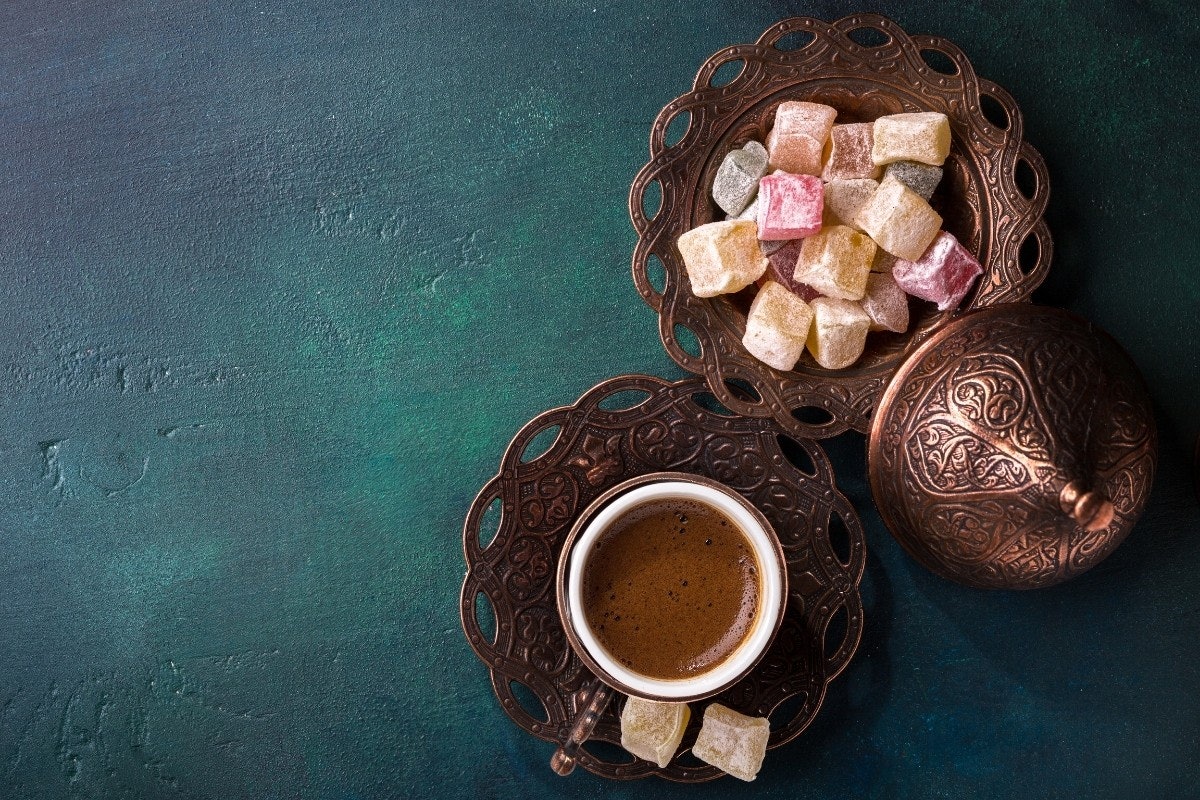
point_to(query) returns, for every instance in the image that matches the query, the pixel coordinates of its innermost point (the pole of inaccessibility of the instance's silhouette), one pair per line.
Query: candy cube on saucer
(884, 261)
(722, 257)
(653, 730)
(777, 326)
(885, 303)
(789, 206)
(943, 274)
(923, 136)
(736, 182)
(843, 199)
(898, 219)
(732, 742)
(921, 178)
(850, 152)
(838, 334)
(782, 268)
(836, 262)
(796, 143)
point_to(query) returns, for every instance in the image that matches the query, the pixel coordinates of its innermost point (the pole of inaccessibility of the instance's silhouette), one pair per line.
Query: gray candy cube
(736, 183)
(921, 178)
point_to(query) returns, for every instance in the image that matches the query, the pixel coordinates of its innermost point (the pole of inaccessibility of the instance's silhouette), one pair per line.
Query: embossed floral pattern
(516, 570)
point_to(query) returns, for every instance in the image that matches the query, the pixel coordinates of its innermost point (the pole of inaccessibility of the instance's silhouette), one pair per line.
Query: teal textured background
(282, 280)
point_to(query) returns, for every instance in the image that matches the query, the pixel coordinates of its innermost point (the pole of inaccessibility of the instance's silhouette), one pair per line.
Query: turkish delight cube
(781, 268)
(843, 199)
(921, 178)
(838, 334)
(796, 142)
(850, 153)
(722, 257)
(836, 262)
(653, 730)
(789, 206)
(943, 274)
(885, 303)
(777, 326)
(884, 261)
(923, 136)
(736, 182)
(898, 219)
(732, 742)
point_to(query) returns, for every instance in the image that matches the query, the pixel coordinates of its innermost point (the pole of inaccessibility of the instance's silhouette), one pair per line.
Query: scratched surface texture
(282, 279)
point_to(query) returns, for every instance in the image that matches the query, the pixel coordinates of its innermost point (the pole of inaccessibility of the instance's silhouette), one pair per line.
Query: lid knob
(1092, 510)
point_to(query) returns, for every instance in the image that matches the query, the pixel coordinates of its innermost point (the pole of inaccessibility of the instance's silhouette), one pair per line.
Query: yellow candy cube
(923, 136)
(722, 257)
(777, 326)
(838, 334)
(899, 220)
(836, 262)
(652, 730)
(732, 742)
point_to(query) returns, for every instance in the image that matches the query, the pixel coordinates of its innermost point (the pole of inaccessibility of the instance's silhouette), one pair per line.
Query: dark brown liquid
(671, 589)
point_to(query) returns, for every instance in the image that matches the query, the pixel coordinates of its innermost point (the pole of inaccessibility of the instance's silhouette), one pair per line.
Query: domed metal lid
(1014, 449)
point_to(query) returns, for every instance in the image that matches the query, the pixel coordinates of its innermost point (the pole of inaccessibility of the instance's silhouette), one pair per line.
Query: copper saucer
(992, 197)
(623, 428)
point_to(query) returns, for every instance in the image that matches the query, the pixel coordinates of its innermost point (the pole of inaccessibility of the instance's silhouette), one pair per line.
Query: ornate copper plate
(623, 428)
(1014, 449)
(992, 197)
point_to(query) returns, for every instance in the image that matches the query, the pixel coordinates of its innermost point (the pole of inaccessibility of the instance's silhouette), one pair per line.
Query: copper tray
(623, 428)
(992, 197)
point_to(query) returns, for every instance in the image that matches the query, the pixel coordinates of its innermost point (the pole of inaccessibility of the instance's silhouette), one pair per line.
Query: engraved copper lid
(1014, 449)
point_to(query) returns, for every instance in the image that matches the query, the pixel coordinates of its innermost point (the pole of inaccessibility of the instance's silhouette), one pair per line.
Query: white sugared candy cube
(777, 326)
(653, 730)
(898, 219)
(843, 199)
(885, 303)
(838, 334)
(922, 136)
(722, 257)
(732, 742)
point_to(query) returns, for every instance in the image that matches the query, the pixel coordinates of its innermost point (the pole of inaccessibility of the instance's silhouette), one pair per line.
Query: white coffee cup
(657, 490)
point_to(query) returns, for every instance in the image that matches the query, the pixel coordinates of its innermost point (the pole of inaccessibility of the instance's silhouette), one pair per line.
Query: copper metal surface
(980, 198)
(601, 442)
(1014, 449)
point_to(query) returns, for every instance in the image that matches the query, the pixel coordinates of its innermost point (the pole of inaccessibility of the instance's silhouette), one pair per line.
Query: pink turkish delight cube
(943, 274)
(789, 206)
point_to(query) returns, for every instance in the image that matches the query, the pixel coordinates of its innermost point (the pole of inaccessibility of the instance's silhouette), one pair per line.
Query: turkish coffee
(671, 589)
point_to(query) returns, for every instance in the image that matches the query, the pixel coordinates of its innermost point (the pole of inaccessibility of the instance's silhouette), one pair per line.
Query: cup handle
(594, 700)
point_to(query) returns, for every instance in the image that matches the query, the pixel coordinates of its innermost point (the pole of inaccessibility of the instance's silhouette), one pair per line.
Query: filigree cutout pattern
(979, 200)
(595, 450)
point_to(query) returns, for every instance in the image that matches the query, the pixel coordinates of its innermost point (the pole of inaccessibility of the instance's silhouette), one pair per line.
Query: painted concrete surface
(282, 279)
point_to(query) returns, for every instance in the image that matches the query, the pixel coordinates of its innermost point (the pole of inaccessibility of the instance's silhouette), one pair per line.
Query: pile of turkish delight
(834, 224)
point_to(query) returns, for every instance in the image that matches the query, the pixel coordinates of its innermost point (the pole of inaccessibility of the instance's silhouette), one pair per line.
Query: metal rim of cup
(582, 524)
